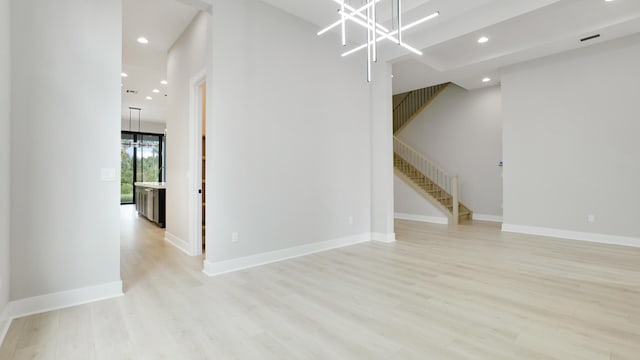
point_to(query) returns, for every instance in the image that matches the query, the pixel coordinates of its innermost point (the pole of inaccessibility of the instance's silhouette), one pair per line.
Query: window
(141, 160)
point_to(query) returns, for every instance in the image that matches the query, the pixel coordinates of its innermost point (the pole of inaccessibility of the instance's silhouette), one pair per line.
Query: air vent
(132, 92)
(590, 37)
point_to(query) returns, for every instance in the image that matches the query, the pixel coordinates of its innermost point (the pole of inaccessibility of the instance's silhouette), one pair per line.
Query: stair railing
(408, 105)
(436, 174)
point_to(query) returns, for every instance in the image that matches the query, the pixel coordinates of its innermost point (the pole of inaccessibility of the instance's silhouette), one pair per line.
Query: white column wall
(5, 128)
(65, 129)
(289, 142)
(187, 57)
(382, 209)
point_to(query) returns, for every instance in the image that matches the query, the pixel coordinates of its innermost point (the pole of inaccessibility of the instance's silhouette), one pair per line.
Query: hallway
(466, 292)
(147, 259)
(154, 274)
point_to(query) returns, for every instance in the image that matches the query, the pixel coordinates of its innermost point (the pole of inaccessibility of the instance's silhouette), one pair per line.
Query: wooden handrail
(427, 167)
(412, 104)
(404, 97)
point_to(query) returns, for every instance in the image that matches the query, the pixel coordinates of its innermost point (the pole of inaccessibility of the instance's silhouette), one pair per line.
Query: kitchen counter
(150, 201)
(152, 185)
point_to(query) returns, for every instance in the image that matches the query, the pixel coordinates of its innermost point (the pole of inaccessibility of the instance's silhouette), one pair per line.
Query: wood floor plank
(77, 341)
(39, 330)
(440, 292)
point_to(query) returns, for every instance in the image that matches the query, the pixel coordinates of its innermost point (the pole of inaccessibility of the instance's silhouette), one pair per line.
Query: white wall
(145, 126)
(5, 103)
(289, 152)
(571, 140)
(187, 57)
(382, 216)
(64, 219)
(462, 132)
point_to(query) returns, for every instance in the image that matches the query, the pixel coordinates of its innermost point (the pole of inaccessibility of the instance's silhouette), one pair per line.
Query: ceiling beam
(204, 5)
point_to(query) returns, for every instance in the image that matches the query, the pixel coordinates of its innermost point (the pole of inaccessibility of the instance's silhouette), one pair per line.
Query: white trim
(384, 238)
(63, 299)
(485, 217)
(4, 327)
(222, 267)
(178, 243)
(573, 235)
(422, 218)
(194, 243)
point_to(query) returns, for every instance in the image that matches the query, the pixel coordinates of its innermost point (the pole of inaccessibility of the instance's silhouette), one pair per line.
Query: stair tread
(428, 186)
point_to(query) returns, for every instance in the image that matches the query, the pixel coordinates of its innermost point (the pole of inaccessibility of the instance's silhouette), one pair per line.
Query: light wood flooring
(464, 292)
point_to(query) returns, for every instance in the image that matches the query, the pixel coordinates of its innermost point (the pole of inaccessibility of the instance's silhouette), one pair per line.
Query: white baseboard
(61, 300)
(422, 218)
(177, 242)
(384, 237)
(484, 217)
(4, 327)
(573, 235)
(222, 267)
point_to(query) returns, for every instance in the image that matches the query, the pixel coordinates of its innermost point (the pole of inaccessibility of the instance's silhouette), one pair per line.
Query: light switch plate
(107, 174)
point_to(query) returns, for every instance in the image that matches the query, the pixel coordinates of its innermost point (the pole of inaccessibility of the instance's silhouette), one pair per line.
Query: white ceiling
(518, 31)
(161, 22)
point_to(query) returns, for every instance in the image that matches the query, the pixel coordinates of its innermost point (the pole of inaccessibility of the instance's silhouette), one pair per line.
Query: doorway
(203, 120)
(198, 144)
(141, 160)
(164, 48)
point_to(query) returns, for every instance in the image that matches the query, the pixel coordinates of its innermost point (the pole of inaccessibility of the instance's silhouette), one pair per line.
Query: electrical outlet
(350, 220)
(591, 218)
(234, 236)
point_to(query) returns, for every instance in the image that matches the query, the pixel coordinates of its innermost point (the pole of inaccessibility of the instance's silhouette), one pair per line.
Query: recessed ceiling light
(164, 82)
(124, 74)
(149, 98)
(608, 0)
(143, 40)
(487, 79)
(483, 40)
(155, 91)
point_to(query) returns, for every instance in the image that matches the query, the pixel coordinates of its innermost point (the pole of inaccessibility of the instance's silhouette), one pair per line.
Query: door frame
(195, 161)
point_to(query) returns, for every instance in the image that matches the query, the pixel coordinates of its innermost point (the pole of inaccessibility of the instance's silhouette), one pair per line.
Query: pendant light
(139, 110)
(367, 17)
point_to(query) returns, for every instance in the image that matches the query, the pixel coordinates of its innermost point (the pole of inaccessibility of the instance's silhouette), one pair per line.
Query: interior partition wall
(141, 160)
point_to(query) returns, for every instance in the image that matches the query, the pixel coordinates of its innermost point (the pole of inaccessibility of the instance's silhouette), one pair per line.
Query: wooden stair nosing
(444, 202)
(425, 194)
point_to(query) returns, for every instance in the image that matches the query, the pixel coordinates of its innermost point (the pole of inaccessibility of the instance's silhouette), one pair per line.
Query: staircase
(426, 178)
(430, 181)
(407, 106)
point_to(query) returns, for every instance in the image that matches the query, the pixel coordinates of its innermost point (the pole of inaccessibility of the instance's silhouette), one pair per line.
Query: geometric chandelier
(367, 17)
